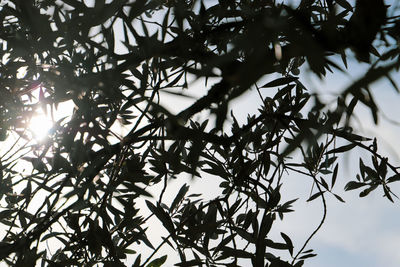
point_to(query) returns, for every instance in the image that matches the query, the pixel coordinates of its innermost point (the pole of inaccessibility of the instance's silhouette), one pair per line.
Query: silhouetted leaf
(334, 175)
(280, 81)
(237, 253)
(288, 242)
(157, 262)
(316, 195)
(341, 149)
(190, 263)
(307, 256)
(344, 4)
(339, 198)
(353, 185)
(181, 193)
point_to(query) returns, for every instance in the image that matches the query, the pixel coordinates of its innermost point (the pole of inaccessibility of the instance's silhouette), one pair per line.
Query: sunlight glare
(40, 126)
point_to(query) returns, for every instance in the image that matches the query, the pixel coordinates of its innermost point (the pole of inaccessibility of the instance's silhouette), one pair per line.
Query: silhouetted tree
(98, 183)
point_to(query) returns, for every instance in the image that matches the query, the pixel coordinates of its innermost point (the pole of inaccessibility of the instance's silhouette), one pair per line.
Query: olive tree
(92, 191)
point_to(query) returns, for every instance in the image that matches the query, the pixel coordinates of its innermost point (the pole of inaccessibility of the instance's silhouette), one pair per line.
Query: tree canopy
(104, 179)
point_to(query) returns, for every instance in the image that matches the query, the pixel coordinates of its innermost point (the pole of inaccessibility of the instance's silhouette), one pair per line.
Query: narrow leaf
(316, 195)
(342, 149)
(182, 192)
(280, 81)
(334, 175)
(288, 243)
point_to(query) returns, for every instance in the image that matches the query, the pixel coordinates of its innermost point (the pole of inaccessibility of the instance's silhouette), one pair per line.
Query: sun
(40, 125)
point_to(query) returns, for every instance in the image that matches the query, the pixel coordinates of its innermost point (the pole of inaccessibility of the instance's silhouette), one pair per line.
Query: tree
(116, 61)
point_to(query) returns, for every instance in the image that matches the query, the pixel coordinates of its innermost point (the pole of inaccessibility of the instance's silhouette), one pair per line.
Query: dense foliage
(100, 182)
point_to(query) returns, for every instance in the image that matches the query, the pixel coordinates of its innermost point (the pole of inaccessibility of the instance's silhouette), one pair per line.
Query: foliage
(93, 194)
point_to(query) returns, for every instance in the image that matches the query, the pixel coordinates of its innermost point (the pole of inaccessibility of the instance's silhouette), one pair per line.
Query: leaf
(50, 235)
(351, 106)
(339, 198)
(371, 174)
(324, 184)
(107, 12)
(41, 96)
(276, 262)
(362, 168)
(182, 192)
(353, 185)
(386, 190)
(237, 253)
(366, 192)
(393, 178)
(6, 214)
(288, 243)
(343, 56)
(334, 175)
(216, 170)
(307, 256)
(343, 3)
(134, 188)
(221, 113)
(382, 168)
(283, 91)
(177, 79)
(280, 81)
(374, 51)
(287, 205)
(164, 28)
(223, 243)
(157, 262)
(275, 245)
(316, 195)
(162, 216)
(190, 263)
(341, 149)
(394, 85)
(245, 235)
(37, 164)
(351, 137)
(137, 261)
(60, 164)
